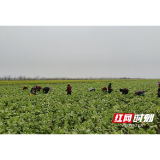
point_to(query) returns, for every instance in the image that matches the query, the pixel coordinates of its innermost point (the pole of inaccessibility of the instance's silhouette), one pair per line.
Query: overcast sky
(100, 51)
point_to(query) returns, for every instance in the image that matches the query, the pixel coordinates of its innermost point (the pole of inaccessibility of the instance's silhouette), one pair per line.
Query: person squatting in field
(104, 89)
(46, 89)
(92, 89)
(69, 89)
(140, 93)
(25, 87)
(33, 91)
(124, 90)
(38, 88)
(110, 88)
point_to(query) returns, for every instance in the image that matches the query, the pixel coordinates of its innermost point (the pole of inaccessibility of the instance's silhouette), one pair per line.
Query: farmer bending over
(25, 87)
(104, 89)
(33, 91)
(38, 88)
(140, 93)
(124, 90)
(92, 89)
(46, 89)
(158, 92)
(69, 89)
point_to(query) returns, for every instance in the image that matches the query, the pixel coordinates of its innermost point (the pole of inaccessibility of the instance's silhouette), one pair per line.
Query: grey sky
(100, 51)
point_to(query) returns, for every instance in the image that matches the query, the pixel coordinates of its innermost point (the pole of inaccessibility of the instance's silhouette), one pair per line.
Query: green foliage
(83, 112)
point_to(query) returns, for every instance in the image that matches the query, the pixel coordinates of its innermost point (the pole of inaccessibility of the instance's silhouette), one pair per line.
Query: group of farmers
(125, 90)
(34, 90)
(104, 89)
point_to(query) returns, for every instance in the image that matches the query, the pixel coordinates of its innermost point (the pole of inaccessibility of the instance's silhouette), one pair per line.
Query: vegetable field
(83, 112)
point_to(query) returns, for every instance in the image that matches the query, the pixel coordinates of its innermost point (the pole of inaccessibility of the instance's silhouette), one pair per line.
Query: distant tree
(20, 77)
(9, 77)
(24, 78)
(5, 78)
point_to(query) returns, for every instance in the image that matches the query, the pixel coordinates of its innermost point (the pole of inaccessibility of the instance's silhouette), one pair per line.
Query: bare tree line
(8, 78)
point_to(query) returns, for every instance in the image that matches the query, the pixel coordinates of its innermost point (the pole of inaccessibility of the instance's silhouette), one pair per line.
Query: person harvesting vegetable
(110, 88)
(124, 90)
(69, 89)
(140, 93)
(25, 87)
(158, 91)
(33, 91)
(92, 89)
(46, 89)
(38, 88)
(104, 89)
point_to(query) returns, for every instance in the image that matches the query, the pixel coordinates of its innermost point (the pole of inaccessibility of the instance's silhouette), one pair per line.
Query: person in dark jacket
(140, 93)
(33, 91)
(104, 89)
(69, 89)
(38, 88)
(46, 89)
(25, 87)
(158, 92)
(110, 88)
(124, 90)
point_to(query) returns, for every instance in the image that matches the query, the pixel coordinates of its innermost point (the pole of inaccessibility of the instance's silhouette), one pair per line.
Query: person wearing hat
(25, 87)
(158, 84)
(33, 91)
(92, 89)
(69, 89)
(109, 88)
(38, 88)
(46, 89)
(140, 93)
(124, 90)
(104, 89)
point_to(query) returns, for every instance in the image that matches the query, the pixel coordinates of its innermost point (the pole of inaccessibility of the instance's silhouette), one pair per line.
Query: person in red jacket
(38, 88)
(69, 89)
(25, 87)
(104, 89)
